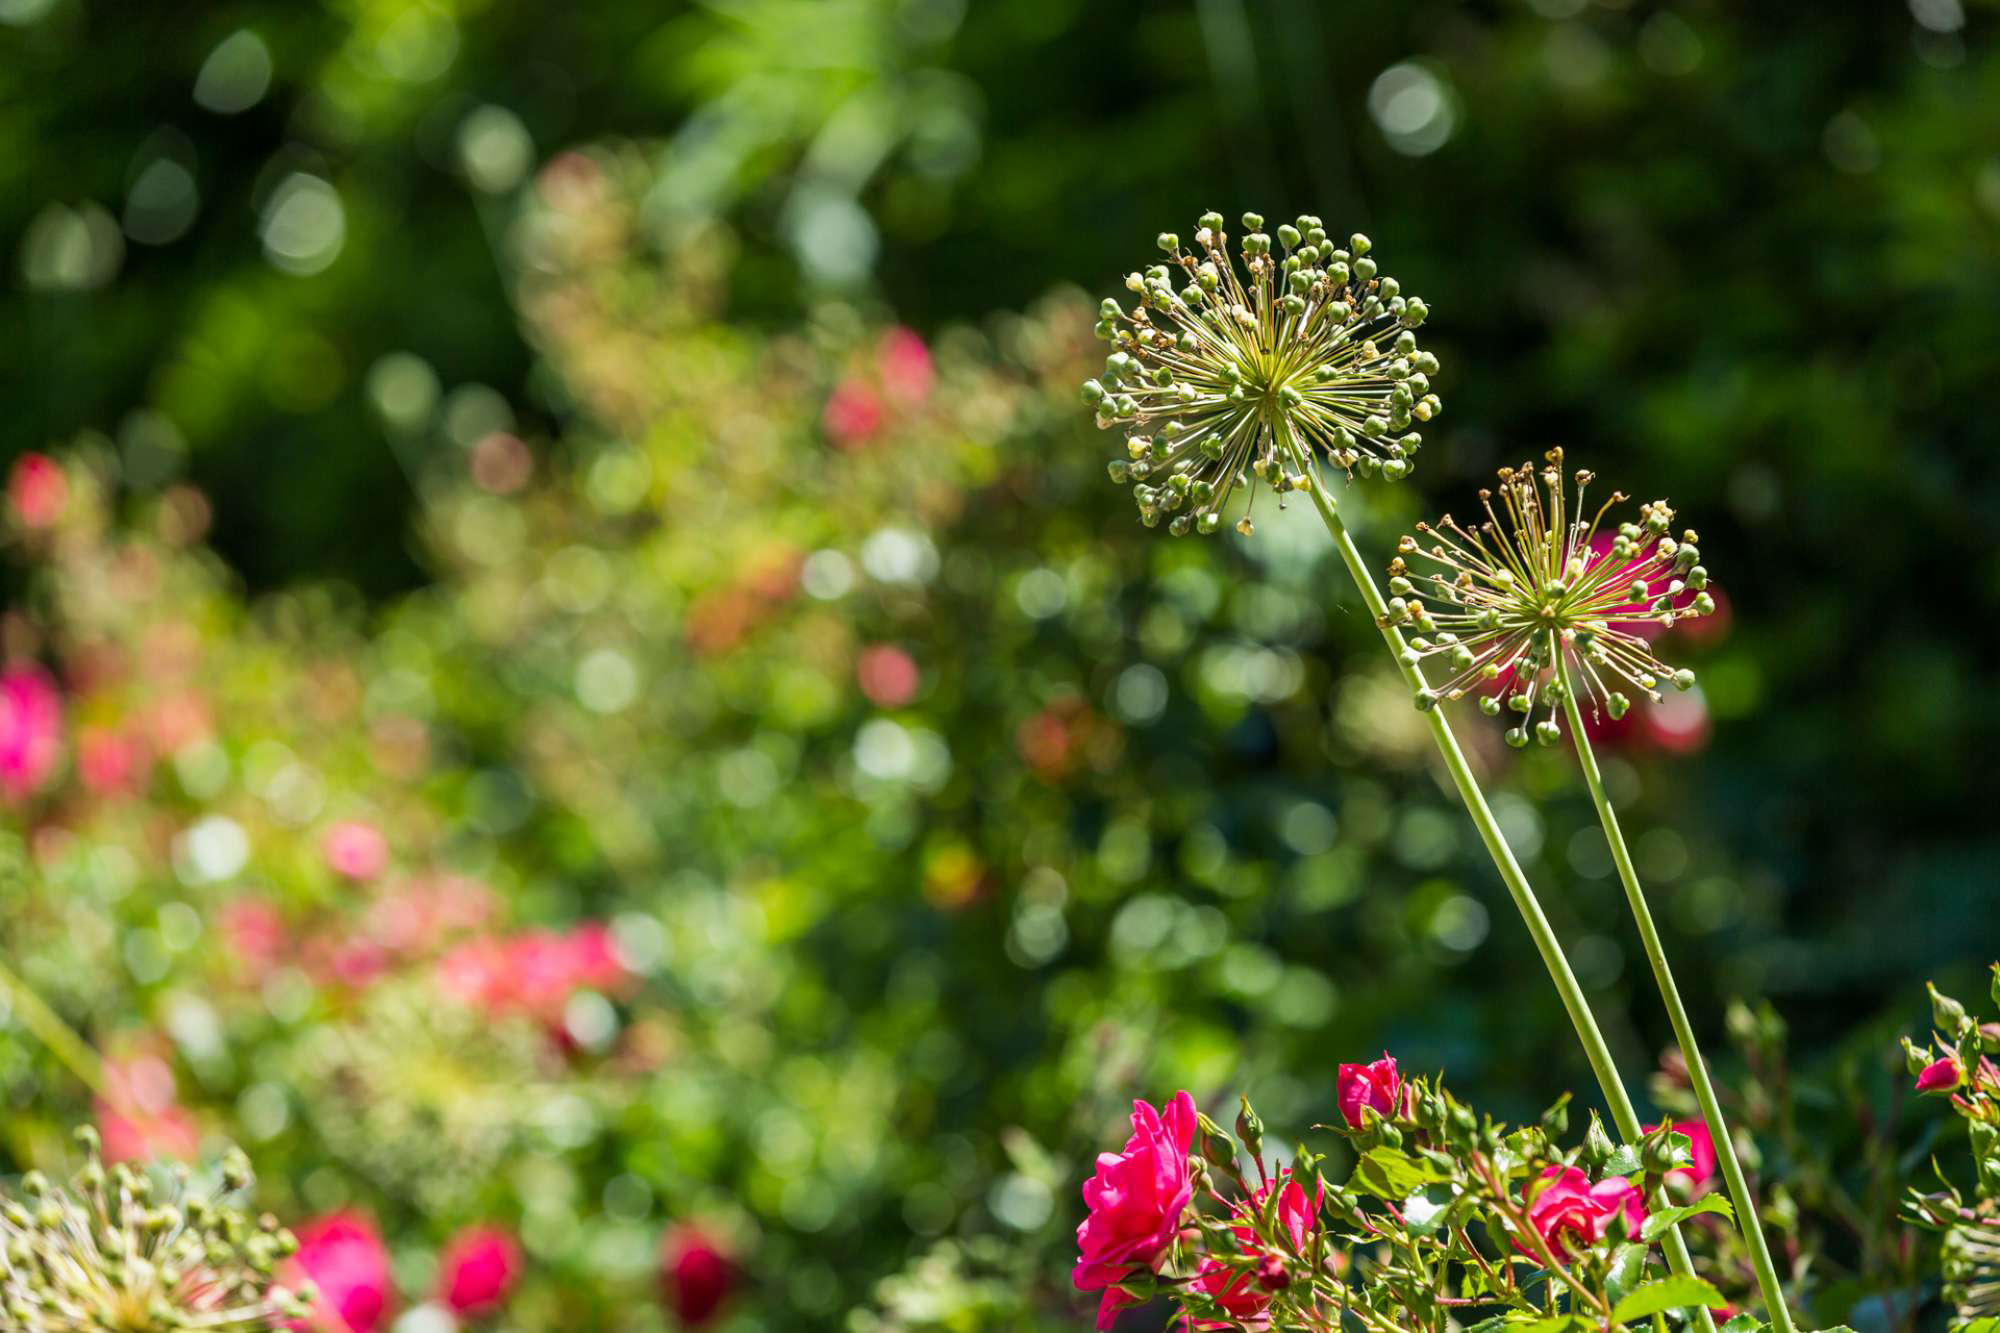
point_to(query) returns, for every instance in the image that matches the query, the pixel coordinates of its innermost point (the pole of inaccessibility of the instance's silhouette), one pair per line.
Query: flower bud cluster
(1444, 1207)
(1541, 583)
(1958, 1063)
(139, 1251)
(1243, 375)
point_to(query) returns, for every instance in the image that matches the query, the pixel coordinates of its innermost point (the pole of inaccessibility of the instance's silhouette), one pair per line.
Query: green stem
(1704, 1089)
(1623, 1116)
(47, 1027)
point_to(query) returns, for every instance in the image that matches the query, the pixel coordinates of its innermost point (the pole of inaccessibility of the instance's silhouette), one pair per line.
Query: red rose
(478, 1269)
(1940, 1076)
(1136, 1200)
(695, 1276)
(1377, 1085)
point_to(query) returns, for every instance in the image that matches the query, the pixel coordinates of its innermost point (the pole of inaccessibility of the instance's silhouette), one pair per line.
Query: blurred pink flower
(1357, 1087)
(904, 364)
(110, 762)
(853, 413)
(355, 849)
(1136, 1199)
(888, 675)
(477, 1269)
(31, 718)
(255, 933)
(343, 1254)
(1701, 1144)
(1565, 1206)
(37, 489)
(534, 972)
(141, 1118)
(696, 1276)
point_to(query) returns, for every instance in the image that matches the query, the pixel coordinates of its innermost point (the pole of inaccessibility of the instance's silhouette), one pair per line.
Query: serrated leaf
(1669, 1293)
(1745, 1323)
(1657, 1224)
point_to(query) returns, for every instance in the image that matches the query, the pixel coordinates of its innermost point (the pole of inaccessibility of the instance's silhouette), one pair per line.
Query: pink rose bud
(1136, 1199)
(1377, 1085)
(356, 850)
(1940, 1076)
(344, 1256)
(696, 1277)
(1700, 1169)
(478, 1269)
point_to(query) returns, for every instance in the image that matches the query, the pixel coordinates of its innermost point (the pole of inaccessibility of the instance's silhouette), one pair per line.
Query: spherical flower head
(1568, 1212)
(696, 1275)
(1136, 1200)
(1531, 588)
(1971, 1264)
(1360, 1087)
(477, 1269)
(139, 1250)
(1241, 375)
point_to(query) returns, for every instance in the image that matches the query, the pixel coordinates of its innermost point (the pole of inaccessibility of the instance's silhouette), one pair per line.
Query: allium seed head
(1240, 375)
(1972, 1267)
(1541, 577)
(136, 1251)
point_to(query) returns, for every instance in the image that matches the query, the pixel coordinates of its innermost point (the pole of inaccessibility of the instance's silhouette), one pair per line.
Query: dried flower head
(1254, 374)
(1540, 577)
(135, 1251)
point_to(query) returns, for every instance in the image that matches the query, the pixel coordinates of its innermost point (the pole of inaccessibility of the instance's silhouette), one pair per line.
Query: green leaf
(1389, 1174)
(1624, 1161)
(1745, 1323)
(1628, 1270)
(1669, 1293)
(1657, 1224)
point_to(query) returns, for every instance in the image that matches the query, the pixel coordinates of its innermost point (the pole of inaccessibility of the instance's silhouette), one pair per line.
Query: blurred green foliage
(1148, 813)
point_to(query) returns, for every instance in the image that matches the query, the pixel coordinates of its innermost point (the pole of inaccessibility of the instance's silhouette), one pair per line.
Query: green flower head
(1223, 376)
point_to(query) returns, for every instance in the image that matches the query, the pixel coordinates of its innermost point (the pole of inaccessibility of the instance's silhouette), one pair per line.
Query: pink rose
(888, 675)
(1564, 1205)
(1244, 1293)
(1701, 1145)
(905, 366)
(1377, 1085)
(696, 1276)
(37, 490)
(110, 762)
(142, 1117)
(1940, 1076)
(1136, 1199)
(356, 850)
(478, 1269)
(31, 715)
(853, 413)
(344, 1256)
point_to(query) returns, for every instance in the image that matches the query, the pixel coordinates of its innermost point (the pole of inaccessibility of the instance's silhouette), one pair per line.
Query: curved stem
(52, 1032)
(1747, 1222)
(1623, 1116)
